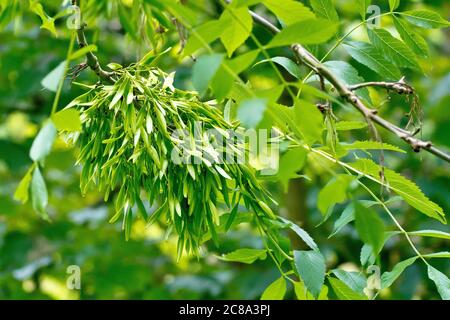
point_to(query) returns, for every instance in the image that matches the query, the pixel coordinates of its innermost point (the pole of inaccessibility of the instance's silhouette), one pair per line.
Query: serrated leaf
(204, 34)
(325, 9)
(239, 27)
(442, 282)
(39, 195)
(394, 49)
(413, 40)
(334, 192)
(287, 64)
(52, 79)
(347, 216)
(67, 120)
(343, 292)
(43, 142)
(308, 121)
(425, 19)
(370, 145)
(354, 280)
(349, 75)
(310, 31)
(245, 255)
(310, 266)
(369, 56)
(302, 234)
(275, 291)
(289, 11)
(291, 162)
(388, 278)
(369, 226)
(405, 188)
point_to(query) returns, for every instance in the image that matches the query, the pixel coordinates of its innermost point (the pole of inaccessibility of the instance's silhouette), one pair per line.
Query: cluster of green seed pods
(143, 140)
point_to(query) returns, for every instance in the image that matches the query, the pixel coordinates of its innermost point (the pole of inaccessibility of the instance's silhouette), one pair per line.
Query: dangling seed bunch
(144, 139)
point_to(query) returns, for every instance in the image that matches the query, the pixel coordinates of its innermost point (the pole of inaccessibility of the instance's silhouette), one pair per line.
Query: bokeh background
(34, 253)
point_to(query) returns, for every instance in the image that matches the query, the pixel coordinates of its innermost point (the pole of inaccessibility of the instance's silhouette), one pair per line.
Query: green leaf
(366, 255)
(388, 278)
(369, 226)
(67, 120)
(393, 4)
(302, 234)
(23, 189)
(126, 19)
(310, 266)
(430, 233)
(275, 291)
(301, 292)
(413, 40)
(239, 28)
(394, 49)
(354, 280)
(405, 188)
(370, 145)
(51, 80)
(223, 80)
(204, 34)
(48, 23)
(362, 7)
(347, 216)
(369, 56)
(83, 51)
(287, 64)
(349, 75)
(425, 18)
(291, 162)
(245, 255)
(325, 9)
(350, 125)
(39, 195)
(204, 70)
(310, 31)
(442, 254)
(289, 11)
(43, 142)
(442, 282)
(308, 121)
(251, 111)
(343, 292)
(334, 192)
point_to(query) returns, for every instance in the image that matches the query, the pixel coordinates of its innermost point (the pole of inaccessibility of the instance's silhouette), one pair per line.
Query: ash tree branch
(347, 92)
(91, 59)
(400, 86)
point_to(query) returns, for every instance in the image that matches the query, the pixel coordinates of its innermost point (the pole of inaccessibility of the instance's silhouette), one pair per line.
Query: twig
(400, 86)
(347, 93)
(91, 59)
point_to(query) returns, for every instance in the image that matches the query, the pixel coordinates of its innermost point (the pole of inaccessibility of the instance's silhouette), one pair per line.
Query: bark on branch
(91, 59)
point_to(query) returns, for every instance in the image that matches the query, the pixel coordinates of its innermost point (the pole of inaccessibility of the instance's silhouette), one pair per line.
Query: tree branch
(91, 59)
(347, 93)
(400, 86)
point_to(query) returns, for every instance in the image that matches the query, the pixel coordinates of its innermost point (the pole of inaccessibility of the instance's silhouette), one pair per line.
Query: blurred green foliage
(35, 254)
